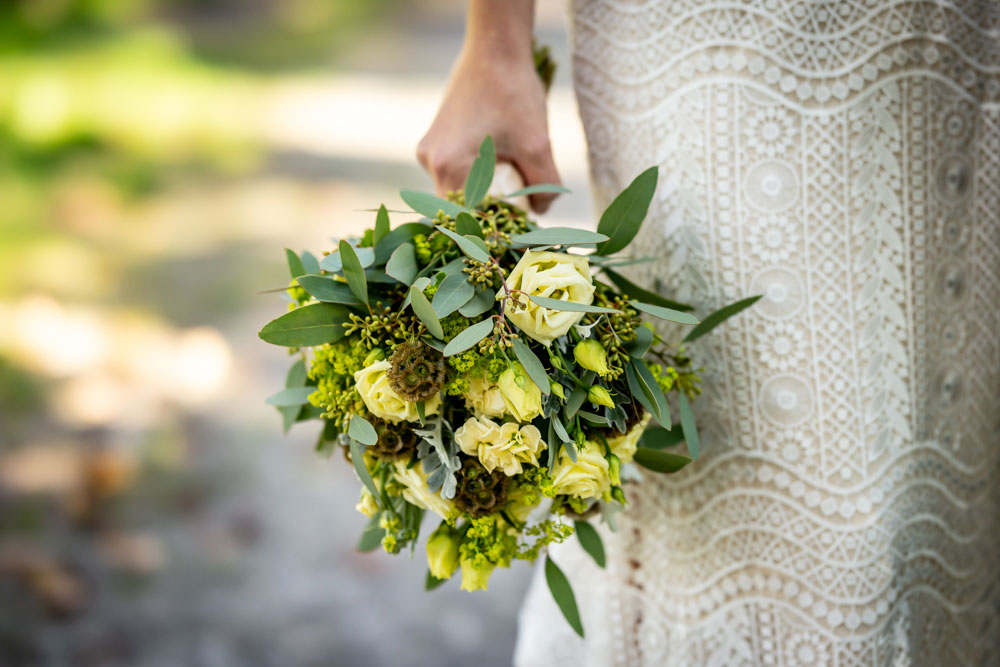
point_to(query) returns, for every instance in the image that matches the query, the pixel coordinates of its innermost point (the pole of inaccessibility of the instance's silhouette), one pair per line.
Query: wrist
(500, 30)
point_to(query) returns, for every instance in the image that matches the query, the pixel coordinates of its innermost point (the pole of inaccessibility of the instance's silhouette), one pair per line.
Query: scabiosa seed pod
(394, 440)
(480, 491)
(417, 372)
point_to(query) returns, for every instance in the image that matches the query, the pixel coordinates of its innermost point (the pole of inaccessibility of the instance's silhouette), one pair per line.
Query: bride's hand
(488, 94)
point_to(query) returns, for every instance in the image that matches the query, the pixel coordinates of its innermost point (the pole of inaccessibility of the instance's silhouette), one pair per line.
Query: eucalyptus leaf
(562, 593)
(643, 339)
(453, 293)
(559, 304)
(659, 461)
(470, 245)
(657, 437)
(325, 288)
(381, 225)
(466, 225)
(307, 326)
(688, 425)
(399, 235)
(309, 262)
(469, 337)
(623, 218)
(371, 537)
(574, 401)
(428, 205)
(420, 284)
(560, 430)
(334, 261)
(477, 183)
(537, 189)
(402, 264)
(295, 266)
(609, 262)
(663, 407)
(642, 294)
(593, 418)
(431, 582)
(354, 272)
(591, 542)
(665, 313)
(359, 466)
(296, 377)
(424, 311)
(289, 397)
(559, 236)
(720, 316)
(532, 365)
(647, 393)
(379, 277)
(482, 301)
(361, 430)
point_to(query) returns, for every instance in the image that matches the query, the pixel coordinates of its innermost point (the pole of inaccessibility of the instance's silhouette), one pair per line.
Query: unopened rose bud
(598, 395)
(557, 389)
(591, 355)
(442, 551)
(615, 469)
(367, 504)
(375, 355)
(618, 494)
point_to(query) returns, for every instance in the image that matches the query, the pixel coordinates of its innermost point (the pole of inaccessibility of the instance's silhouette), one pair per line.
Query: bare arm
(493, 89)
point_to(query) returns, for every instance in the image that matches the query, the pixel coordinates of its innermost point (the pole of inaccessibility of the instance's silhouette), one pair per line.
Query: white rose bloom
(554, 275)
(484, 398)
(624, 446)
(506, 446)
(380, 399)
(587, 478)
(416, 490)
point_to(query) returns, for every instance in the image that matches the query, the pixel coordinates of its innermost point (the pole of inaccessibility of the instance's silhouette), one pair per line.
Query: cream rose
(624, 446)
(506, 446)
(416, 490)
(484, 398)
(554, 275)
(382, 401)
(587, 478)
(521, 396)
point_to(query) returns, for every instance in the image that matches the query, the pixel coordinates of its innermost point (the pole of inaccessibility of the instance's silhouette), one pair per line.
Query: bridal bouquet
(491, 372)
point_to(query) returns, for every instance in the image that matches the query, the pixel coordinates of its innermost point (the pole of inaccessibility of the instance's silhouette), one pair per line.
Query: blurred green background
(155, 158)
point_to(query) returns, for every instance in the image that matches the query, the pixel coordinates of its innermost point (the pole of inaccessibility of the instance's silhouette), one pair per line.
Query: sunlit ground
(151, 511)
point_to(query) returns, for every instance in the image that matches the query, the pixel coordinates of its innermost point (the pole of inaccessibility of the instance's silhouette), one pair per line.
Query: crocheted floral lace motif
(843, 159)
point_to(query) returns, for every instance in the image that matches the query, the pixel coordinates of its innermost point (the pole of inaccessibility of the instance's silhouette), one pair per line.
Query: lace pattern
(843, 159)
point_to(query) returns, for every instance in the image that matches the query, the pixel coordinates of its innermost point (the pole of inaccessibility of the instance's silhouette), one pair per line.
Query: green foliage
(310, 325)
(623, 217)
(562, 593)
(591, 542)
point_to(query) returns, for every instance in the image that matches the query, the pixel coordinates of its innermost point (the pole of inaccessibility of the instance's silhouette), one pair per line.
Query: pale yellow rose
(521, 396)
(506, 446)
(624, 446)
(416, 490)
(554, 275)
(484, 398)
(587, 478)
(380, 399)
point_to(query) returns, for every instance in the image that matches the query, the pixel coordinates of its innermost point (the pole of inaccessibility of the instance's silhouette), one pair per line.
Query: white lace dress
(843, 159)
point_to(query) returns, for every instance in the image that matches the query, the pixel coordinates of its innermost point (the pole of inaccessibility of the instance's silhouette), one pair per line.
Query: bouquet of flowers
(491, 372)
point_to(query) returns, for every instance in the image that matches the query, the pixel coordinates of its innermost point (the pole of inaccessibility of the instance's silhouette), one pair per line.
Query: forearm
(499, 29)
